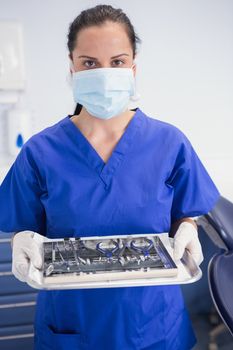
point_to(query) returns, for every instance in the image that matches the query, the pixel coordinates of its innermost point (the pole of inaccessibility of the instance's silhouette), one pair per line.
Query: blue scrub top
(59, 186)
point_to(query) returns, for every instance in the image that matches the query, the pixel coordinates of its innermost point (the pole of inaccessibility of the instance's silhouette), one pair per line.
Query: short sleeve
(21, 192)
(194, 192)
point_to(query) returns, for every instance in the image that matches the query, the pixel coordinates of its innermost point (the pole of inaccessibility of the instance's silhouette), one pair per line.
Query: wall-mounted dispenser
(18, 129)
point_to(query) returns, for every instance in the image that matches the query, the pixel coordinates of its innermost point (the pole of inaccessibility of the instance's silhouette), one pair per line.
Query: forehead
(110, 37)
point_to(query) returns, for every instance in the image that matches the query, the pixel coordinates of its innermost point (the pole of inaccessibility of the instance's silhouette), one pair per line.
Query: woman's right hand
(26, 249)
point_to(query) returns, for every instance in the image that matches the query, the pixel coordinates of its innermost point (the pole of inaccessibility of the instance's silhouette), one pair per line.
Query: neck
(91, 125)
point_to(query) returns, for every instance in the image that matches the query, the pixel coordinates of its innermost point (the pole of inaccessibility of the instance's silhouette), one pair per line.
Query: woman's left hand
(186, 237)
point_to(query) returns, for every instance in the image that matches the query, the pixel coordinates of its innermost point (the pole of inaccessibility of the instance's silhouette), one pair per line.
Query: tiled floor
(202, 327)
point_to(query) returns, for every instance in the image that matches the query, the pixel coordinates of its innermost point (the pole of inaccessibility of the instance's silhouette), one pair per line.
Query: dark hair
(97, 16)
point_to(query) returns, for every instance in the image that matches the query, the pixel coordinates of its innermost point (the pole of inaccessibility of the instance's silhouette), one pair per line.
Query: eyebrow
(94, 58)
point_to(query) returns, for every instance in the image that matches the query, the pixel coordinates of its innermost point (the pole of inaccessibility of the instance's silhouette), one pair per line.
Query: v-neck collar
(104, 170)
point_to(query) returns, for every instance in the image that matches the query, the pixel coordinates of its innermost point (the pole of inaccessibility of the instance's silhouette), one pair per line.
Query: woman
(106, 170)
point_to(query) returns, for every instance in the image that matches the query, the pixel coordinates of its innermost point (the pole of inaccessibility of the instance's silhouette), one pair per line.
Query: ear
(135, 65)
(71, 63)
(71, 67)
(134, 69)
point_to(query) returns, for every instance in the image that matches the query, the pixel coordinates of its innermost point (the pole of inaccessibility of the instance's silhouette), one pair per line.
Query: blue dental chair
(221, 220)
(218, 224)
(221, 286)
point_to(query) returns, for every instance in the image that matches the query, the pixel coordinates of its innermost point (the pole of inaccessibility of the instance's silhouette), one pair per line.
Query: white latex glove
(26, 248)
(187, 237)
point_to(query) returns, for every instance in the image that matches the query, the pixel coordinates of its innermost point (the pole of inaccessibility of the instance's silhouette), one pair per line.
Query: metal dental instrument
(108, 252)
(50, 267)
(102, 256)
(80, 245)
(121, 259)
(144, 250)
(61, 256)
(74, 252)
(67, 255)
(133, 257)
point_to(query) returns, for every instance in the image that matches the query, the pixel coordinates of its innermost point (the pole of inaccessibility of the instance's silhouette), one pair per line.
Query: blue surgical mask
(104, 92)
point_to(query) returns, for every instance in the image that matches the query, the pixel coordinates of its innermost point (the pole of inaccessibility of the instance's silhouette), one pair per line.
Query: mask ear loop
(69, 75)
(136, 96)
(72, 67)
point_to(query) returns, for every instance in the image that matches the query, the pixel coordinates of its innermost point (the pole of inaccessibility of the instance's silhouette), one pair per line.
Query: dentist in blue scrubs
(106, 170)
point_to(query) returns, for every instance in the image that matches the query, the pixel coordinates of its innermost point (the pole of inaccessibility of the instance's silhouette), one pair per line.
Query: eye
(88, 63)
(118, 62)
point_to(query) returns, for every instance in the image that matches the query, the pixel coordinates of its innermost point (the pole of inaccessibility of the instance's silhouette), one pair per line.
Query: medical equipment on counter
(111, 261)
